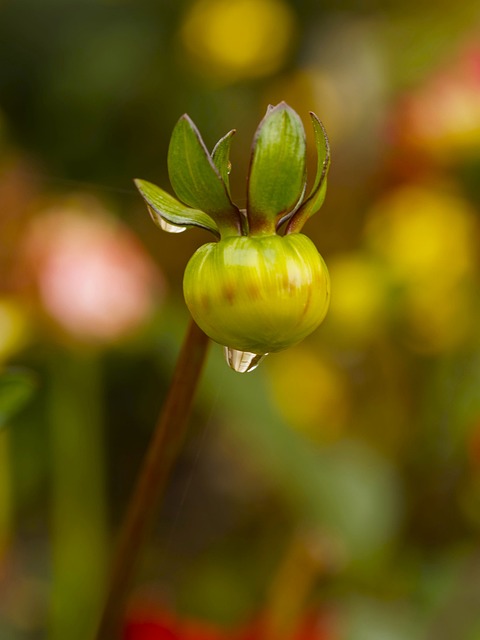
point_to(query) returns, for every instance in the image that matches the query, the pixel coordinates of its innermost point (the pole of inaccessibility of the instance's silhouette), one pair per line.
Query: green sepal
(196, 180)
(221, 157)
(163, 206)
(319, 189)
(16, 388)
(277, 174)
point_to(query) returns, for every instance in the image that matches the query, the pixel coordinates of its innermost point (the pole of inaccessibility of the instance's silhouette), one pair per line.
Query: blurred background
(334, 493)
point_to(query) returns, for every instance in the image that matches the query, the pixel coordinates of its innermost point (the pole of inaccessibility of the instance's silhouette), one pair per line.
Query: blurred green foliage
(16, 388)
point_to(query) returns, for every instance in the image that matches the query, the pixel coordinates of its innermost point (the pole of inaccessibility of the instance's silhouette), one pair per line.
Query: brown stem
(161, 455)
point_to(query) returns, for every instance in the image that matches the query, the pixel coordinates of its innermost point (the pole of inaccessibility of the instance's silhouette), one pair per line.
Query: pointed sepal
(196, 180)
(277, 175)
(164, 208)
(319, 189)
(221, 157)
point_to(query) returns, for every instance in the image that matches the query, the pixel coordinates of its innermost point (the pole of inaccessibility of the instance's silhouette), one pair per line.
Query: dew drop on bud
(243, 361)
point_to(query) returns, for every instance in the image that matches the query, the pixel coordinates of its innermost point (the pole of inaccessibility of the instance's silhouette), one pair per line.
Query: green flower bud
(257, 294)
(256, 290)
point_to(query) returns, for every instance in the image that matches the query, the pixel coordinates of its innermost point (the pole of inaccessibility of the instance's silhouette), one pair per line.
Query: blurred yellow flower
(425, 235)
(427, 239)
(441, 316)
(310, 392)
(359, 297)
(236, 39)
(14, 327)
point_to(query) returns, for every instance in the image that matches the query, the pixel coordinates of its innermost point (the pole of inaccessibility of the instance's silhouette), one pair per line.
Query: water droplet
(164, 224)
(171, 228)
(243, 361)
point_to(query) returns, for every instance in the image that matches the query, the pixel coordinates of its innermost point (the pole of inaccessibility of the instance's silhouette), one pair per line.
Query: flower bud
(258, 289)
(258, 294)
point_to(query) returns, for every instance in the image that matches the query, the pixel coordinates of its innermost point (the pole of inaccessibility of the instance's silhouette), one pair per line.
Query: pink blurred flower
(443, 115)
(91, 274)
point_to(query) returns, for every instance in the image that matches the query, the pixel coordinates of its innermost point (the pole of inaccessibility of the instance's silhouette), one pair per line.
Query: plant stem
(161, 455)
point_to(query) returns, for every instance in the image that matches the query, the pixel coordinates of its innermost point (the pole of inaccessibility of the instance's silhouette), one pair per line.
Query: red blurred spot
(164, 626)
(155, 625)
(152, 627)
(150, 631)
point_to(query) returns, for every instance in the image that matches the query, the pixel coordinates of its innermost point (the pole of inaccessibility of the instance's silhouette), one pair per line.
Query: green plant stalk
(79, 522)
(162, 453)
(6, 506)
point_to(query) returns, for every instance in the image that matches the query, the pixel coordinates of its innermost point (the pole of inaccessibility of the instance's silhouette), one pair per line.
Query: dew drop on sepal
(164, 224)
(171, 228)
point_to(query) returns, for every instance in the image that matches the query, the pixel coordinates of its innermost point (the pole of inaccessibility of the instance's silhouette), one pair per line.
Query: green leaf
(16, 389)
(195, 178)
(164, 207)
(276, 180)
(319, 189)
(221, 157)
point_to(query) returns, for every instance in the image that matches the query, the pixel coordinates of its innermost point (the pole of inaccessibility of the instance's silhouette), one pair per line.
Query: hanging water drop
(164, 224)
(171, 228)
(243, 361)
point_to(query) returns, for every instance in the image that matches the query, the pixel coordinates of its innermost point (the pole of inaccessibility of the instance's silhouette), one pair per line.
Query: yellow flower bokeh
(359, 297)
(231, 40)
(310, 392)
(424, 234)
(427, 239)
(14, 327)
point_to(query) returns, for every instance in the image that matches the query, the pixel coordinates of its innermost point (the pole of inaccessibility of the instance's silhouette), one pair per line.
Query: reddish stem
(162, 453)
